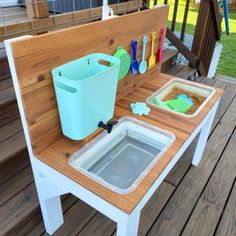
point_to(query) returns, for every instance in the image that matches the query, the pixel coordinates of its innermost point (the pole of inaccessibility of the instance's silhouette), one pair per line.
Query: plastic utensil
(160, 54)
(134, 63)
(152, 58)
(125, 61)
(143, 64)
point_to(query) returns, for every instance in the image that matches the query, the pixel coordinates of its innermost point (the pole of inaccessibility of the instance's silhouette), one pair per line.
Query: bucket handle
(113, 60)
(64, 82)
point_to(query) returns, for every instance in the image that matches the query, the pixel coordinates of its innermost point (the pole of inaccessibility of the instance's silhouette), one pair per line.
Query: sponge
(179, 105)
(140, 108)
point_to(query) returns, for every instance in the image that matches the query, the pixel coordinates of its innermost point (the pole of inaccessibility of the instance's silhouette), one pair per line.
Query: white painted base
(51, 184)
(215, 61)
(205, 131)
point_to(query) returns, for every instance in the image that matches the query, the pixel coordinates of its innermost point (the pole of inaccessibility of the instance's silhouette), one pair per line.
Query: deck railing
(207, 32)
(41, 18)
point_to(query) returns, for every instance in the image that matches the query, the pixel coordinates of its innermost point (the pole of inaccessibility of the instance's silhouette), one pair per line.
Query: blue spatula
(134, 64)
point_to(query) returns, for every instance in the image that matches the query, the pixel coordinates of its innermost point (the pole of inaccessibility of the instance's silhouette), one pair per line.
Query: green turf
(227, 64)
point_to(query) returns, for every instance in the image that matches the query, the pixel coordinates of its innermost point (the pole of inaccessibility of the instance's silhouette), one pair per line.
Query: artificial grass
(227, 63)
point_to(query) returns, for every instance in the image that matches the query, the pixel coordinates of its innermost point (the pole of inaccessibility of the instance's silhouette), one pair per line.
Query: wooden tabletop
(57, 154)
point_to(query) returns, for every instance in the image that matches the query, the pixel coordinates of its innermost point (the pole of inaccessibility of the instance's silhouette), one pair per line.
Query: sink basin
(202, 90)
(120, 160)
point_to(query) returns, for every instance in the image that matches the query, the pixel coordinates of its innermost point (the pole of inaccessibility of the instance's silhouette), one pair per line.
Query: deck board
(191, 200)
(35, 225)
(27, 198)
(227, 225)
(179, 208)
(18, 182)
(208, 210)
(12, 15)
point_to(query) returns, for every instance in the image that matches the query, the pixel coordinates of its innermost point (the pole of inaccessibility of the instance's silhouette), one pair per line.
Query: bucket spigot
(107, 126)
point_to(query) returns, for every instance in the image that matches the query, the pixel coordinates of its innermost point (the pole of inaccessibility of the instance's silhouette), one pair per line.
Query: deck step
(8, 105)
(29, 221)
(14, 165)
(7, 93)
(13, 152)
(5, 84)
(181, 71)
(174, 69)
(187, 73)
(4, 66)
(11, 147)
(169, 54)
(15, 184)
(9, 113)
(10, 129)
(18, 210)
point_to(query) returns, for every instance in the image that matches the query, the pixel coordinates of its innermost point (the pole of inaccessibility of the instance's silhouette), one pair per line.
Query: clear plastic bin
(120, 160)
(86, 91)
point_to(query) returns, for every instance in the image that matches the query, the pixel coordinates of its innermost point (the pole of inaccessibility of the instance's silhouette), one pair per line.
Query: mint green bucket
(86, 91)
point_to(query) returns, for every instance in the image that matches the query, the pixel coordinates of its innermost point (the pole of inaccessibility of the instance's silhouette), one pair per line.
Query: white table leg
(204, 134)
(128, 225)
(50, 203)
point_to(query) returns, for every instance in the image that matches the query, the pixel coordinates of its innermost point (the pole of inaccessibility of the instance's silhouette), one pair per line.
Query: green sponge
(179, 105)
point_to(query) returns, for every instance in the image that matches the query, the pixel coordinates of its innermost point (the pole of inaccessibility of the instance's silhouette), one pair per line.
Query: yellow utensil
(152, 58)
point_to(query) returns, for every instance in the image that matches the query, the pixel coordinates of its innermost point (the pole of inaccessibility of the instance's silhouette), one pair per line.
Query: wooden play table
(31, 60)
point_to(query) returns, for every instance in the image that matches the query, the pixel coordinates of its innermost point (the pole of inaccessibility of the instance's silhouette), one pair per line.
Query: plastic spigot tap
(107, 126)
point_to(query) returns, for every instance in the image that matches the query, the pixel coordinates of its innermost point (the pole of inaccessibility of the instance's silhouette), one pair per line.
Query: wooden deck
(191, 201)
(13, 15)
